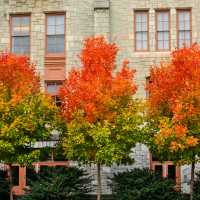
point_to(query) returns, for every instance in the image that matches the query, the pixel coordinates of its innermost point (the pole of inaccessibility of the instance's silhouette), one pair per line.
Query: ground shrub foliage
(143, 184)
(58, 184)
(4, 185)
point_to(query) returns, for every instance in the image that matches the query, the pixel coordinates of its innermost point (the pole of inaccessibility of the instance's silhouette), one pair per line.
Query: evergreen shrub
(196, 189)
(143, 184)
(4, 185)
(58, 183)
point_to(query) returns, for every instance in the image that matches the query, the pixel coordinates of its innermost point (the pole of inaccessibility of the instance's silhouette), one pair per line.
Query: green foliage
(4, 185)
(58, 184)
(196, 189)
(143, 184)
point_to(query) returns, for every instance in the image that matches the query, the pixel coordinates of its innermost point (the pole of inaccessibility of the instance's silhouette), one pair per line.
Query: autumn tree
(100, 115)
(174, 108)
(26, 114)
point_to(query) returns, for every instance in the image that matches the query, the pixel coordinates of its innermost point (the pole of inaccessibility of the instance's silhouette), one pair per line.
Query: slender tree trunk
(192, 181)
(11, 192)
(99, 183)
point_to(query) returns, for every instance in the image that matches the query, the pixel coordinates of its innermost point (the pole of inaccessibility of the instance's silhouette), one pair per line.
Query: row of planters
(73, 183)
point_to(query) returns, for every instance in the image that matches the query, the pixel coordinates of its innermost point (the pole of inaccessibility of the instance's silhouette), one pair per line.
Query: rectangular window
(141, 31)
(148, 92)
(184, 27)
(55, 33)
(162, 31)
(52, 88)
(20, 34)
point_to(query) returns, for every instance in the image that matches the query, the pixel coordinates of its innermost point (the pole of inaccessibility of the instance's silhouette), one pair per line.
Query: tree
(174, 108)
(26, 114)
(98, 109)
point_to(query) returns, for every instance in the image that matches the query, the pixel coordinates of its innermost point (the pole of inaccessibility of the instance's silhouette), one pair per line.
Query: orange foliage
(94, 89)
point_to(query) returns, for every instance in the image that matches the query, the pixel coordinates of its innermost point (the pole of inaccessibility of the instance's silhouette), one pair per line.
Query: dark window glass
(15, 175)
(172, 172)
(30, 174)
(158, 169)
(60, 158)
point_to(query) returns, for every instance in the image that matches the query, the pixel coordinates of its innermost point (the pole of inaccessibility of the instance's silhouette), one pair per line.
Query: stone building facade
(120, 22)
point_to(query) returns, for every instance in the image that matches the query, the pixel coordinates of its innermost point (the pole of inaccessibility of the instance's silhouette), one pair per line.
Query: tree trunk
(192, 181)
(11, 192)
(99, 183)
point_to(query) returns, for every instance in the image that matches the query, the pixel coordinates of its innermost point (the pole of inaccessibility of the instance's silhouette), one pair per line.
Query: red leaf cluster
(95, 89)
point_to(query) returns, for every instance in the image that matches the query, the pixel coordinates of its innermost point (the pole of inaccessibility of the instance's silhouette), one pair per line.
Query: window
(52, 88)
(19, 173)
(20, 34)
(55, 33)
(141, 31)
(148, 80)
(165, 169)
(184, 27)
(162, 31)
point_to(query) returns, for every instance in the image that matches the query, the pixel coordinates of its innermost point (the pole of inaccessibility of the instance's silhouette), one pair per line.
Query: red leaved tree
(26, 114)
(101, 116)
(174, 108)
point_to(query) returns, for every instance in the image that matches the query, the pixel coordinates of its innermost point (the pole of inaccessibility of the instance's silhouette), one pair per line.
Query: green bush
(196, 189)
(143, 184)
(58, 184)
(4, 185)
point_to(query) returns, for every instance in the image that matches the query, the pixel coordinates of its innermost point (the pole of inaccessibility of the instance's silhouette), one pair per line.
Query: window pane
(15, 40)
(51, 88)
(166, 26)
(57, 87)
(144, 45)
(166, 44)
(166, 35)
(16, 49)
(24, 49)
(25, 30)
(160, 35)
(16, 30)
(138, 36)
(187, 42)
(24, 40)
(160, 44)
(50, 20)
(180, 43)
(187, 16)
(60, 39)
(181, 34)
(60, 48)
(181, 25)
(15, 175)
(16, 21)
(138, 26)
(138, 17)
(187, 25)
(180, 16)
(165, 17)
(159, 17)
(25, 21)
(60, 158)
(187, 34)
(144, 26)
(59, 20)
(51, 39)
(60, 29)
(144, 36)
(30, 174)
(144, 17)
(172, 172)
(50, 29)
(160, 28)
(138, 45)
(50, 48)
(158, 169)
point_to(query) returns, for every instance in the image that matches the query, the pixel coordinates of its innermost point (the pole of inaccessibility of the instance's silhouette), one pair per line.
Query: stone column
(101, 19)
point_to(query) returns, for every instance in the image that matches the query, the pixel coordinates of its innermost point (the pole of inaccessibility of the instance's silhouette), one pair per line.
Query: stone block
(101, 4)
